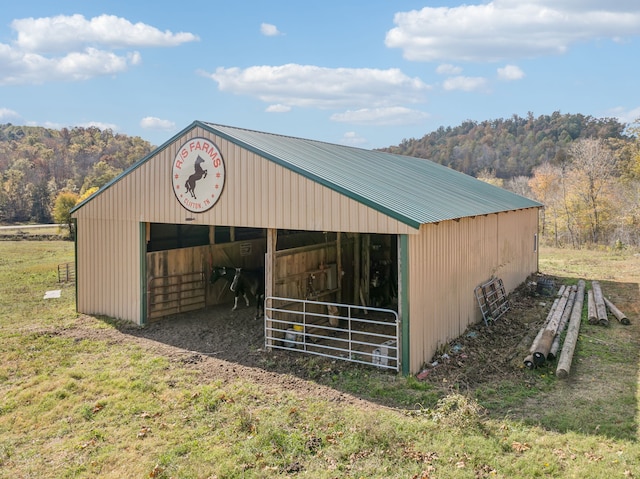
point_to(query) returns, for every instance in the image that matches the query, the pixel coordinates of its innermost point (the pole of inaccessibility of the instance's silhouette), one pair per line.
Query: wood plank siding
(448, 260)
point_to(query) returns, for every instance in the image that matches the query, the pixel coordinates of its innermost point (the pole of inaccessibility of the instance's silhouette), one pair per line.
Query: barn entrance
(180, 260)
(329, 293)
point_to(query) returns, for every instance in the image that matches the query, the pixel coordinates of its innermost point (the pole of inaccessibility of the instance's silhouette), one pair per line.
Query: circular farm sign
(198, 175)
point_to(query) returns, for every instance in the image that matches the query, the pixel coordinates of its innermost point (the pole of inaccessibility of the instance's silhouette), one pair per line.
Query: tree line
(508, 147)
(38, 164)
(585, 170)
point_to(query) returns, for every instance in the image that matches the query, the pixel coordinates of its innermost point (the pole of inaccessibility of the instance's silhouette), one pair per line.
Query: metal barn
(366, 256)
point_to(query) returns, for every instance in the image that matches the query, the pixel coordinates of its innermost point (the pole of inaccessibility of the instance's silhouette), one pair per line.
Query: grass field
(101, 405)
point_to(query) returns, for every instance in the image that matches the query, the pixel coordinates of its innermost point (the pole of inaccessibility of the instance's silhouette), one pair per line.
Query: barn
(365, 256)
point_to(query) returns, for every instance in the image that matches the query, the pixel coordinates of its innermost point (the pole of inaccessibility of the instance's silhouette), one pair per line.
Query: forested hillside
(585, 170)
(36, 164)
(508, 147)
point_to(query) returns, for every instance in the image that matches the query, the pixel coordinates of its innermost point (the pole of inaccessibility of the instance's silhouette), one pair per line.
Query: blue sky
(367, 74)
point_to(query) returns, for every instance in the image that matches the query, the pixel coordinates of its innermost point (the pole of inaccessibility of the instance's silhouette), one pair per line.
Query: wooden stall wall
(307, 272)
(178, 279)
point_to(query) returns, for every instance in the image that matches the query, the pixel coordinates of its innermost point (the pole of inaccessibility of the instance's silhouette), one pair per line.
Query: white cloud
(48, 124)
(6, 113)
(62, 33)
(391, 116)
(325, 88)
(71, 48)
(626, 115)
(153, 123)
(353, 139)
(269, 30)
(448, 69)
(87, 124)
(509, 29)
(510, 72)
(278, 109)
(18, 67)
(465, 83)
(100, 124)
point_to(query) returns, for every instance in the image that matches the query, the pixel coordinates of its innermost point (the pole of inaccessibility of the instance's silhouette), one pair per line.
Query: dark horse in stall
(250, 281)
(242, 282)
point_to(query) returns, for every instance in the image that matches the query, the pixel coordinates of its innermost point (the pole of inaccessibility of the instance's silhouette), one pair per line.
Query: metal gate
(352, 333)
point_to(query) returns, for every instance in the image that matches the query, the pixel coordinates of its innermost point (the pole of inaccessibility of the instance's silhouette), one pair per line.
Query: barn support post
(75, 255)
(365, 269)
(270, 258)
(339, 264)
(143, 273)
(403, 301)
(356, 268)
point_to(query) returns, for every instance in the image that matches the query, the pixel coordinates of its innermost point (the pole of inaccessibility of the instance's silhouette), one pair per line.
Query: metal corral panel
(258, 193)
(108, 268)
(448, 260)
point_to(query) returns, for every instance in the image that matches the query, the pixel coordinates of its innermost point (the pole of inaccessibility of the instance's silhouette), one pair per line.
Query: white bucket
(292, 339)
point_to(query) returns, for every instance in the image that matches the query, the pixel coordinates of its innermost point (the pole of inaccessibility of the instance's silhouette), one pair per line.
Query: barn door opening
(180, 259)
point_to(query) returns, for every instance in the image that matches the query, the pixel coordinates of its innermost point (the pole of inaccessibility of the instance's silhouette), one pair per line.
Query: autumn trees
(585, 170)
(589, 196)
(509, 147)
(38, 164)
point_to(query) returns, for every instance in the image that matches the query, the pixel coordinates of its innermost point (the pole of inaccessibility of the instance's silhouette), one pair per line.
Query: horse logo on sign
(198, 175)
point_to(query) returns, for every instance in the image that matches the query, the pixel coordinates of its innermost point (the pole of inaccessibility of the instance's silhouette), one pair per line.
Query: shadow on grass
(238, 339)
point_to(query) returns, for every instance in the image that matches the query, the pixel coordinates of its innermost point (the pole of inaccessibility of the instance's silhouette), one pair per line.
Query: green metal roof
(412, 190)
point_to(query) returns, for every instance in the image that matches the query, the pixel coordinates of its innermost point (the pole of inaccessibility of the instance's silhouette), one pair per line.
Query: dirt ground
(221, 345)
(226, 345)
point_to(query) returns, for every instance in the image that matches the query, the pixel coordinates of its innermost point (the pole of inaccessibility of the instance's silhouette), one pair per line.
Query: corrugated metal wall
(446, 263)
(257, 193)
(108, 268)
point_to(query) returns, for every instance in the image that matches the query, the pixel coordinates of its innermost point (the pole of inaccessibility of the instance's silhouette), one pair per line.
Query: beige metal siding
(108, 268)
(448, 260)
(257, 193)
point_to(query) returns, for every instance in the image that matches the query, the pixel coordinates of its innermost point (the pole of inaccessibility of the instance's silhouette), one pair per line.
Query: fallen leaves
(520, 446)
(156, 471)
